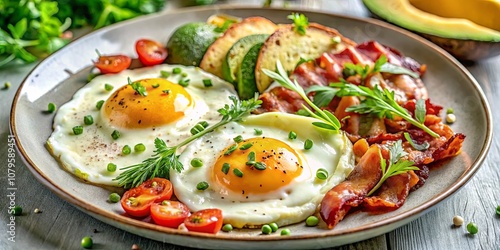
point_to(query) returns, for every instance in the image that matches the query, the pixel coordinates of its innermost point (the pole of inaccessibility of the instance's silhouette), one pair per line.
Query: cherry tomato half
(137, 201)
(205, 221)
(112, 64)
(169, 213)
(150, 52)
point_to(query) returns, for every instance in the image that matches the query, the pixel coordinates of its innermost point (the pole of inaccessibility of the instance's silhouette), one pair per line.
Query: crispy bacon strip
(351, 192)
(392, 194)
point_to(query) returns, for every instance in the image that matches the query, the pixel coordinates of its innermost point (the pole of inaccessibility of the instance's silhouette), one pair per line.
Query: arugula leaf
(419, 147)
(395, 69)
(397, 165)
(420, 110)
(323, 95)
(300, 22)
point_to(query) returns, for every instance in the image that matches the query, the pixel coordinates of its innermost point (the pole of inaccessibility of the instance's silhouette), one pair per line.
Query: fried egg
(256, 178)
(126, 118)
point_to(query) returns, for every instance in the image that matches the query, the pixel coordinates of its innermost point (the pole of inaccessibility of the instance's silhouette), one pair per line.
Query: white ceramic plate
(58, 77)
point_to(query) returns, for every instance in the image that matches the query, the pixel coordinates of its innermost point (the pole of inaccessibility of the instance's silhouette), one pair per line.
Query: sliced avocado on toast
(238, 51)
(215, 55)
(245, 79)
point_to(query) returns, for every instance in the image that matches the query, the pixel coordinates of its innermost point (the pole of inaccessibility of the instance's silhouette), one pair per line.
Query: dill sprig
(397, 165)
(330, 122)
(165, 158)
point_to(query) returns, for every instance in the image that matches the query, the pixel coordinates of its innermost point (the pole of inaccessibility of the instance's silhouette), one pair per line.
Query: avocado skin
(189, 42)
(245, 76)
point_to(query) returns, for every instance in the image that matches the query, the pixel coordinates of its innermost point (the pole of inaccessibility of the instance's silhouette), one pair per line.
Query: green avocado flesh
(404, 14)
(188, 43)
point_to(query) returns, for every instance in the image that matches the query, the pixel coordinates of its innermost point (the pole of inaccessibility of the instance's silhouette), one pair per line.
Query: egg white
(88, 154)
(287, 205)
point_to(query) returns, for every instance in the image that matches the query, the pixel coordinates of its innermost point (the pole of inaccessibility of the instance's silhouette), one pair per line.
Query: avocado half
(467, 29)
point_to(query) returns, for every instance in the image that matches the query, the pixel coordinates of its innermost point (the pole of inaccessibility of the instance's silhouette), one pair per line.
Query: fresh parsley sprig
(330, 122)
(379, 102)
(166, 158)
(300, 22)
(397, 165)
(138, 87)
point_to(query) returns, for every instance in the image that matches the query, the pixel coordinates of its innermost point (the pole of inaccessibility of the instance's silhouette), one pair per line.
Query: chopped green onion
(450, 111)
(184, 82)
(312, 221)
(246, 146)
(227, 228)
(202, 185)
(266, 229)
(472, 228)
(165, 74)
(285, 232)
(260, 166)
(88, 120)
(114, 197)
(258, 131)
(238, 139)
(207, 83)
(111, 167)
(156, 85)
(115, 134)
(251, 159)
(336, 40)
(51, 107)
(274, 226)
(77, 130)
(292, 135)
(225, 168)
(16, 210)
(231, 149)
(184, 74)
(237, 172)
(322, 174)
(139, 147)
(87, 242)
(196, 162)
(108, 87)
(126, 150)
(99, 104)
(166, 91)
(498, 210)
(176, 71)
(308, 144)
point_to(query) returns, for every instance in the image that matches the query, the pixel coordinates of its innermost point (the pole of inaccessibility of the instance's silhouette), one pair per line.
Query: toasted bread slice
(289, 46)
(216, 53)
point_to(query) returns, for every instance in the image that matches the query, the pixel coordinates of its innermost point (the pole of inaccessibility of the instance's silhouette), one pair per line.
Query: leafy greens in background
(31, 29)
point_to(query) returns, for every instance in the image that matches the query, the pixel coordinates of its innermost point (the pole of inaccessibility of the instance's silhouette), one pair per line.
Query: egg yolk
(282, 165)
(164, 103)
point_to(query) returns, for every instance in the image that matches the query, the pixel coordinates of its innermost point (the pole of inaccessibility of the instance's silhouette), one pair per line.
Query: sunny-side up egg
(268, 177)
(126, 118)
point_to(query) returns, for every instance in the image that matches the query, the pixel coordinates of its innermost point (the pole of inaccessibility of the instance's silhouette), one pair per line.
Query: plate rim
(407, 216)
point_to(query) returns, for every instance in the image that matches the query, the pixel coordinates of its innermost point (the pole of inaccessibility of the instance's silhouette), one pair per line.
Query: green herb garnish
(397, 165)
(378, 102)
(166, 158)
(138, 87)
(419, 147)
(328, 120)
(300, 22)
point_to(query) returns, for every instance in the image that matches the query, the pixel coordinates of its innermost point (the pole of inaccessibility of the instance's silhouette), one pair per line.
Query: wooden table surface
(62, 226)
